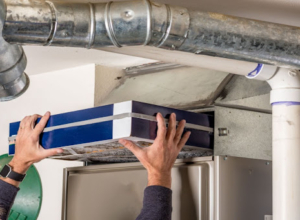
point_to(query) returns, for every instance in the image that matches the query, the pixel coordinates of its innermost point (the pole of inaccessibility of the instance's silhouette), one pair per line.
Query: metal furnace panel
(116, 191)
(243, 188)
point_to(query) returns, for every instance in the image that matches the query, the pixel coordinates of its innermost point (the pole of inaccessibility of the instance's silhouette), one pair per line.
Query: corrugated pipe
(13, 80)
(153, 24)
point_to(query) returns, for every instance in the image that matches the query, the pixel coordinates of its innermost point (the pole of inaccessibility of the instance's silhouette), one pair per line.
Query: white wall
(57, 92)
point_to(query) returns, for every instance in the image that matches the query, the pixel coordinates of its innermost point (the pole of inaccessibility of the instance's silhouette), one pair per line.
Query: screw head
(223, 131)
(293, 73)
(128, 14)
(65, 34)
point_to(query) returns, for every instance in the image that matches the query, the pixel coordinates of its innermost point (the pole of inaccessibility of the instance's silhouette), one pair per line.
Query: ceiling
(46, 59)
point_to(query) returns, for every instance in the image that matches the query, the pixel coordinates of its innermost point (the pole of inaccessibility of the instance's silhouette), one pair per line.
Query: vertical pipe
(286, 160)
(13, 81)
(285, 99)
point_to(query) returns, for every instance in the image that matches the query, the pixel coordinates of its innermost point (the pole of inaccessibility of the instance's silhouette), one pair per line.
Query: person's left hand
(159, 158)
(27, 148)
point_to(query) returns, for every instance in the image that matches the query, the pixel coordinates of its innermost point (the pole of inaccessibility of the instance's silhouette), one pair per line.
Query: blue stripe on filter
(11, 150)
(70, 117)
(190, 117)
(75, 135)
(148, 129)
(286, 103)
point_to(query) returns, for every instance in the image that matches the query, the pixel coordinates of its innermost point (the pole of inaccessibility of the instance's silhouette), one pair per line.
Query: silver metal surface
(116, 191)
(92, 26)
(148, 23)
(203, 189)
(243, 188)
(242, 39)
(245, 93)
(249, 133)
(13, 80)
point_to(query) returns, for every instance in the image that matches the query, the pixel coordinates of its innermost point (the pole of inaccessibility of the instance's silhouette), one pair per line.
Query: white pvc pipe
(285, 99)
(286, 161)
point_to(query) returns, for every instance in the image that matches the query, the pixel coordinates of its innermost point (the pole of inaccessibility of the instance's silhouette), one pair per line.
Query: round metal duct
(13, 80)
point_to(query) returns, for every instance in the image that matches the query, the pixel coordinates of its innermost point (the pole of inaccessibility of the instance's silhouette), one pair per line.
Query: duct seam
(149, 22)
(92, 26)
(10, 68)
(169, 24)
(12, 84)
(185, 36)
(109, 26)
(17, 63)
(53, 24)
(23, 81)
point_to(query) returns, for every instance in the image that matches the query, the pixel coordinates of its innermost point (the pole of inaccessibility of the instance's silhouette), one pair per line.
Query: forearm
(157, 204)
(8, 193)
(159, 179)
(9, 188)
(157, 197)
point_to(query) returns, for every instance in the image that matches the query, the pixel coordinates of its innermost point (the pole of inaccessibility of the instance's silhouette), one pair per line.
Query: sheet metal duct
(154, 24)
(13, 80)
(140, 23)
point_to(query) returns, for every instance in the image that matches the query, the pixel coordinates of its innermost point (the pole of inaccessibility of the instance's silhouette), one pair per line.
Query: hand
(28, 149)
(160, 157)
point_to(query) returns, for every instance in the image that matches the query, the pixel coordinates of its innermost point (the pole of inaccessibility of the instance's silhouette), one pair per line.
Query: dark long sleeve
(157, 204)
(7, 197)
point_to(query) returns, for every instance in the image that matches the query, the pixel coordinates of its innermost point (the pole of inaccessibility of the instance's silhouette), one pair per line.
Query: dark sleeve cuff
(8, 192)
(157, 204)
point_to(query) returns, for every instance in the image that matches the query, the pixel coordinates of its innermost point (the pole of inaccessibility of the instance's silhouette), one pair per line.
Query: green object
(29, 199)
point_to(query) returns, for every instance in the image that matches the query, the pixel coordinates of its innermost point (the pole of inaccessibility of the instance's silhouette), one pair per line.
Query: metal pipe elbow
(13, 80)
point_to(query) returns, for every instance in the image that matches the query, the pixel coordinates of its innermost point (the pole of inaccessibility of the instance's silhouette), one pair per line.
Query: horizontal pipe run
(153, 24)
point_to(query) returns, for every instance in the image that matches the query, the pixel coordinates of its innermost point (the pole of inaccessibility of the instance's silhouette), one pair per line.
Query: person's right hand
(159, 158)
(27, 148)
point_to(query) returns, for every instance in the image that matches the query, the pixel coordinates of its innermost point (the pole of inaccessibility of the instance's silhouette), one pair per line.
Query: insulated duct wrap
(153, 24)
(13, 80)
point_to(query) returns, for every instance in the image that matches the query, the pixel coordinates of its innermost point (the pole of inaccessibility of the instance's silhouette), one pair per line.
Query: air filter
(93, 134)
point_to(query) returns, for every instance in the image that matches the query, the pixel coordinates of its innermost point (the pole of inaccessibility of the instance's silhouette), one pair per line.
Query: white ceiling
(46, 59)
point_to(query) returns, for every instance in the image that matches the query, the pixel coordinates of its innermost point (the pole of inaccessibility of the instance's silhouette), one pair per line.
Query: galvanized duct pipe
(147, 23)
(13, 80)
